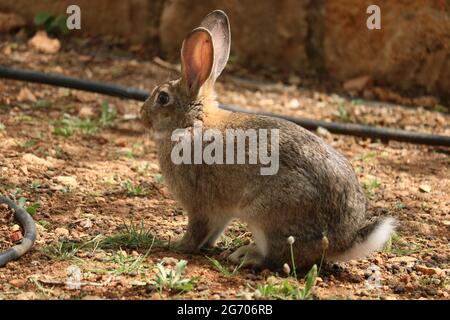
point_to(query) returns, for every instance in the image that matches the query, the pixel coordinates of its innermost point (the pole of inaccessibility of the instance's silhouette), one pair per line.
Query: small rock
(25, 95)
(24, 169)
(170, 261)
(36, 161)
(404, 259)
(427, 270)
(62, 232)
(322, 132)
(357, 84)
(15, 236)
(90, 297)
(425, 188)
(43, 43)
(86, 113)
(15, 228)
(26, 296)
(10, 22)
(67, 181)
(293, 104)
(18, 283)
(426, 101)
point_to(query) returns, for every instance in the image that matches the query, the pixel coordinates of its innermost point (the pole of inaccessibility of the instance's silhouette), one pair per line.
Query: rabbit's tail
(371, 237)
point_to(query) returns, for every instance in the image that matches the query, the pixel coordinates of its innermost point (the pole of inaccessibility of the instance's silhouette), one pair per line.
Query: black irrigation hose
(28, 239)
(384, 134)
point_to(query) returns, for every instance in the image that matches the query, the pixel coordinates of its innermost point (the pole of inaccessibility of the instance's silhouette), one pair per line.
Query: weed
(399, 205)
(288, 289)
(69, 125)
(125, 264)
(172, 280)
(224, 269)
(35, 185)
(132, 190)
(134, 236)
(343, 114)
(108, 115)
(51, 23)
(370, 186)
(62, 250)
(32, 209)
(158, 178)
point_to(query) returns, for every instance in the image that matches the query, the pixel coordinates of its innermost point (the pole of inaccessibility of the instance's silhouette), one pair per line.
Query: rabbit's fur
(315, 193)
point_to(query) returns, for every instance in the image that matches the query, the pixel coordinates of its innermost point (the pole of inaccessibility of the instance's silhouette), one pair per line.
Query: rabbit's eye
(163, 98)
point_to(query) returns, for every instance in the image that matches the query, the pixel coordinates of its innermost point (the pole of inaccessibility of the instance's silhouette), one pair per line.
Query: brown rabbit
(314, 193)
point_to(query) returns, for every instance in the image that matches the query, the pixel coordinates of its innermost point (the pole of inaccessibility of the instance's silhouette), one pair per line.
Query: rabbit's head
(204, 54)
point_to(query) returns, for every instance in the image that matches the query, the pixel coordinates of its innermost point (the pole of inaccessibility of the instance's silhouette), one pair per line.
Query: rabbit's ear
(218, 25)
(197, 59)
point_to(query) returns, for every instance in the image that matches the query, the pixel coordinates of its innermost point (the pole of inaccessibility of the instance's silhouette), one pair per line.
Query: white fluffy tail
(374, 241)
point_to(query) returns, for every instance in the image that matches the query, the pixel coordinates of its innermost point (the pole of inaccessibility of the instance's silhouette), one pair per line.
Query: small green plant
(35, 185)
(367, 156)
(132, 190)
(28, 144)
(31, 209)
(172, 279)
(51, 23)
(62, 250)
(143, 170)
(343, 113)
(2, 127)
(134, 236)
(288, 289)
(370, 186)
(399, 205)
(42, 103)
(224, 269)
(69, 125)
(158, 178)
(125, 264)
(108, 115)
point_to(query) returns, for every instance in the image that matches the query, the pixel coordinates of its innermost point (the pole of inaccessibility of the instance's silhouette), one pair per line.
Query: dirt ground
(88, 172)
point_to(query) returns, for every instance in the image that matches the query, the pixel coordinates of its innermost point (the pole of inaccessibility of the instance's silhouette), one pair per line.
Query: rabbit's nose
(144, 115)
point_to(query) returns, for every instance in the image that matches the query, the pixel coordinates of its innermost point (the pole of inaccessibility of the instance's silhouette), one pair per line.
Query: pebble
(427, 270)
(62, 232)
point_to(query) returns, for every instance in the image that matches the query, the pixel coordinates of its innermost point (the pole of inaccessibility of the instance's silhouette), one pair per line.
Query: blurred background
(286, 40)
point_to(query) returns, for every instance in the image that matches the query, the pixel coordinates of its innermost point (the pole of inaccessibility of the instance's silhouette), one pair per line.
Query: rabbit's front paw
(247, 256)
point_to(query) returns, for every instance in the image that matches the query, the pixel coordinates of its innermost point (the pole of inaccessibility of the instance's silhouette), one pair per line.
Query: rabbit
(314, 197)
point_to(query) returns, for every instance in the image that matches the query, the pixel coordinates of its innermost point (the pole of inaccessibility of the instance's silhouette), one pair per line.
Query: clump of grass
(108, 115)
(134, 236)
(370, 187)
(400, 247)
(172, 279)
(31, 209)
(69, 125)
(62, 250)
(288, 289)
(51, 23)
(224, 269)
(343, 113)
(125, 264)
(134, 190)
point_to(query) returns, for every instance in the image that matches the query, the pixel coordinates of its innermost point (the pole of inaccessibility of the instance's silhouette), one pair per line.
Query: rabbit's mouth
(145, 119)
